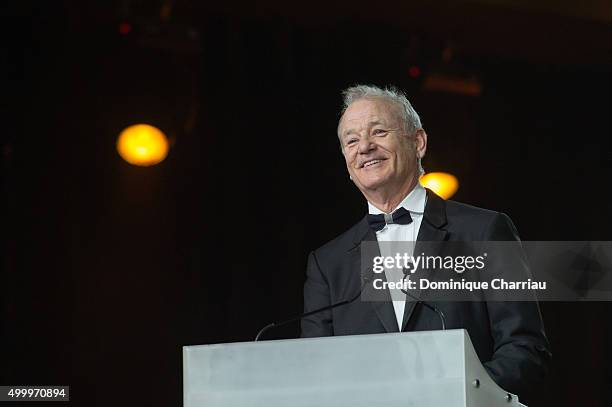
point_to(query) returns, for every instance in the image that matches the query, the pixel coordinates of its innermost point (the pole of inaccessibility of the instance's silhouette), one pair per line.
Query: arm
(521, 354)
(316, 295)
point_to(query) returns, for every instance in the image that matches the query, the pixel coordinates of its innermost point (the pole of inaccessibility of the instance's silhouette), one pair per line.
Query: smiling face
(380, 157)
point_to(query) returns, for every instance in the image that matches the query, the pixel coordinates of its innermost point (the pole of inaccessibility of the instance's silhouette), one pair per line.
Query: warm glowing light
(125, 28)
(143, 145)
(441, 183)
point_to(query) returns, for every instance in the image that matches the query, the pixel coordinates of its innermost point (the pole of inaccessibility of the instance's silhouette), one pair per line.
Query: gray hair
(410, 118)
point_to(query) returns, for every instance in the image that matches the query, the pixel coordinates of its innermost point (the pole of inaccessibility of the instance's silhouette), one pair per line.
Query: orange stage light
(142, 145)
(441, 183)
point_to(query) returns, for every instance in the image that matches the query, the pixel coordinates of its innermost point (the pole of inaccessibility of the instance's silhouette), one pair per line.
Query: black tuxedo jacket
(508, 336)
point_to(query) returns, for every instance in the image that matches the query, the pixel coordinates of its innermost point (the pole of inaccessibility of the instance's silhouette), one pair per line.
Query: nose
(365, 145)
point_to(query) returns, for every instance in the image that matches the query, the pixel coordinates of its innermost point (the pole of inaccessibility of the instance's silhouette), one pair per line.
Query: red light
(414, 71)
(125, 28)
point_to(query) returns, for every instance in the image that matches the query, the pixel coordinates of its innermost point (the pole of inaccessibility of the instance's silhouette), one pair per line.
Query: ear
(420, 143)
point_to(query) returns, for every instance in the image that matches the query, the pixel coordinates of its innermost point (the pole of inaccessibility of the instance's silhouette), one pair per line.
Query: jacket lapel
(431, 230)
(384, 309)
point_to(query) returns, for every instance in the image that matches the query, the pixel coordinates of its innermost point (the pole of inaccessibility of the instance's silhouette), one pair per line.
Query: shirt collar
(413, 202)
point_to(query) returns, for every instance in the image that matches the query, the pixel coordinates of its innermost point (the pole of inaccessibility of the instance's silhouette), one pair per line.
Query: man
(383, 142)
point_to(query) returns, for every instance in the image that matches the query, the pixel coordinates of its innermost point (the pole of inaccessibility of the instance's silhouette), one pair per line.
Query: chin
(374, 183)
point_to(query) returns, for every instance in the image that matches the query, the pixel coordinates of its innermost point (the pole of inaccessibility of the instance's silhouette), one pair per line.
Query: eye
(351, 141)
(379, 132)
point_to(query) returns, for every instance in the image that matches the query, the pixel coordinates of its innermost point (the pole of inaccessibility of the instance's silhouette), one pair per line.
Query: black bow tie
(400, 217)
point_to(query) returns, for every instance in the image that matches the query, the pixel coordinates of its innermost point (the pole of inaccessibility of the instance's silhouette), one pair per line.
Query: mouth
(372, 163)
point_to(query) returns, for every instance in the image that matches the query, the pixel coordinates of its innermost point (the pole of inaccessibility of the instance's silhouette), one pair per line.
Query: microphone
(426, 304)
(309, 313)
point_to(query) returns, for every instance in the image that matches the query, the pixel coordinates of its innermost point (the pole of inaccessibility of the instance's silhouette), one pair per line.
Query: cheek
(349, 158)
(404, 161)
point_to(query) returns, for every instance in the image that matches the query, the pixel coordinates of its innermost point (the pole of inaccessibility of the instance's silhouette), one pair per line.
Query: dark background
(108, 269)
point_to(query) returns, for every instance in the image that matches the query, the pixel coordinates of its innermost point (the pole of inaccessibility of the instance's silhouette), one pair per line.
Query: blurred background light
(125, 28)
(462, 85)
(414, 71)
(142, 145)
(442, 183)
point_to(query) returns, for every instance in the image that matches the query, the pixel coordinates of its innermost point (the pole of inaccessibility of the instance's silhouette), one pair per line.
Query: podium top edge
(388, 335)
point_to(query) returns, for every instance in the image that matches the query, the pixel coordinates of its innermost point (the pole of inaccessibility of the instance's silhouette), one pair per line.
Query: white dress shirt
(414, 202)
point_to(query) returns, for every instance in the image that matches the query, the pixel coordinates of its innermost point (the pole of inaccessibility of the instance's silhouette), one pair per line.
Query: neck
(386, 200)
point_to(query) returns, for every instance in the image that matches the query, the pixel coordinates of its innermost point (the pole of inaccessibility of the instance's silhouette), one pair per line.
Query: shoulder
(457, 211)
(343, 242)
(480, 222)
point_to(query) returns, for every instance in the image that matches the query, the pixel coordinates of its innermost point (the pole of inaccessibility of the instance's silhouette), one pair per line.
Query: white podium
(431, 368)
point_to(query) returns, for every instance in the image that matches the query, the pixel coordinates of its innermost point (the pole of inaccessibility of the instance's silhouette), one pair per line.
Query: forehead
(364, 112)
